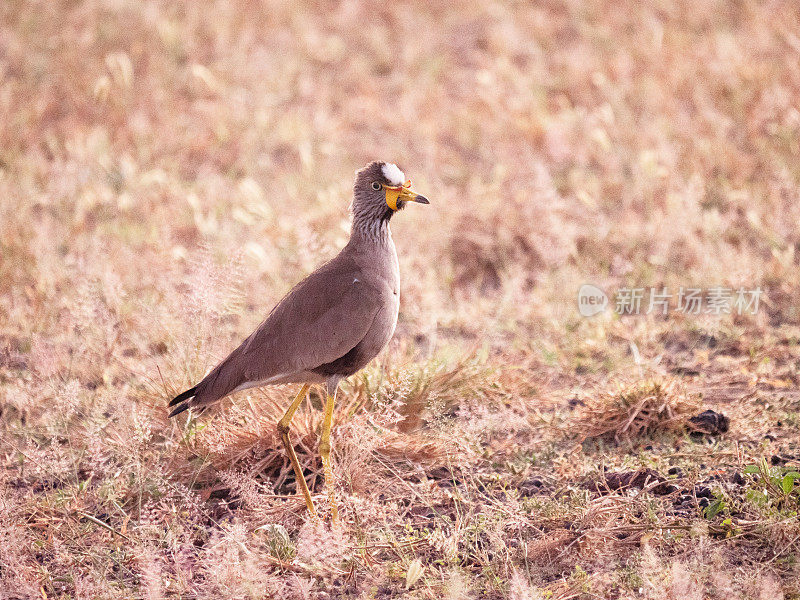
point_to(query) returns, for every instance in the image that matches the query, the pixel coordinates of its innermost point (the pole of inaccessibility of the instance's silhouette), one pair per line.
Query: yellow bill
(402, 193)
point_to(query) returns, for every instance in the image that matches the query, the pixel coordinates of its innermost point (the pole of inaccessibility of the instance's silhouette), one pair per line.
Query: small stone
(709, 422)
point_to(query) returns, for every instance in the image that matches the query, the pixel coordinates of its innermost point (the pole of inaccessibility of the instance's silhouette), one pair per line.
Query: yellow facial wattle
(396, 193)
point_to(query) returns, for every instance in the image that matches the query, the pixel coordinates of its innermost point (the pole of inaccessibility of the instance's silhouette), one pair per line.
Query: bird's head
(380, 190)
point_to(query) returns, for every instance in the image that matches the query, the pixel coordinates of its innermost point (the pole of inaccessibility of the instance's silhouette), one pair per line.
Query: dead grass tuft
(636, 410)
(243, 441)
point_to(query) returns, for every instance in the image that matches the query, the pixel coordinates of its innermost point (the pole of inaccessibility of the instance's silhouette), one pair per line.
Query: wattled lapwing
(330, 325)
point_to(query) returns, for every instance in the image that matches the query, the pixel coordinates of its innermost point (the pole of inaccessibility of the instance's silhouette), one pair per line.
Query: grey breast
(378, 269)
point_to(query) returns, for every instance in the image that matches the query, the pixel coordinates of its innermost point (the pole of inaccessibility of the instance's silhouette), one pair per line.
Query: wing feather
(320, 320)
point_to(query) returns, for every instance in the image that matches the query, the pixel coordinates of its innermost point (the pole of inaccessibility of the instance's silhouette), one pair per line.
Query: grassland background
(169, 169)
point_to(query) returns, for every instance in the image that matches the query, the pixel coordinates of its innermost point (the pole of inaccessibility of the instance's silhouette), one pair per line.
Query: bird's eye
(376, 186)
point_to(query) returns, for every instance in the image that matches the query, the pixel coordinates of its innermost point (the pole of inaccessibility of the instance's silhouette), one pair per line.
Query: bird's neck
(375, 231)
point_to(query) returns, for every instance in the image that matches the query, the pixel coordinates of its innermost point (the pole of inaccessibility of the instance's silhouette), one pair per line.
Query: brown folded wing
(320, 320)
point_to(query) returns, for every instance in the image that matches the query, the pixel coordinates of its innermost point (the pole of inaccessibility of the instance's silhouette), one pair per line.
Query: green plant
(779, 482)
(714, 508)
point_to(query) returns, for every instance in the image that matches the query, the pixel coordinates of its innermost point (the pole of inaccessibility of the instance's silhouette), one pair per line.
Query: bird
(329, 326)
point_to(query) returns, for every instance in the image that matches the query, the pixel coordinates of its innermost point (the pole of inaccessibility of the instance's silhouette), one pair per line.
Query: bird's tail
(223, 379)
(183, 401)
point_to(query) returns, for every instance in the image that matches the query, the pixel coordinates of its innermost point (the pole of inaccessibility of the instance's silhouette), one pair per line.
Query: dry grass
(169, 169)
(637, 410)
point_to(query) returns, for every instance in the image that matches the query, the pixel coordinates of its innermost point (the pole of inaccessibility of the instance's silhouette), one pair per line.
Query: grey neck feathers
(374, 230)
(371, 218)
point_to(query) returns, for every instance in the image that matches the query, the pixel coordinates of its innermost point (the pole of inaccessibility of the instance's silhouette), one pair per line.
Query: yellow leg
(325, 453)
(283, 430)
